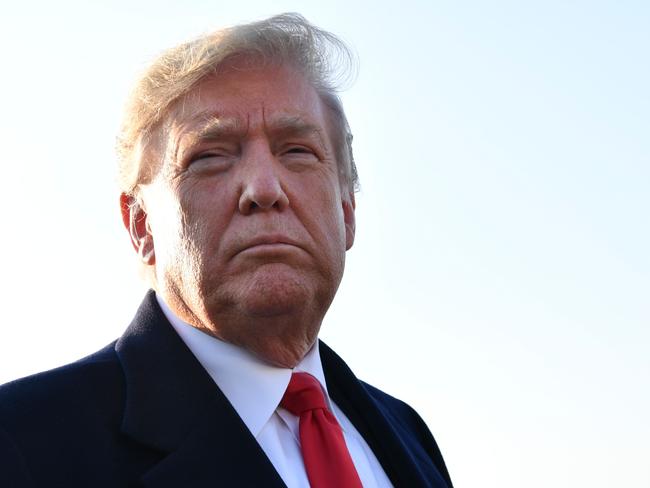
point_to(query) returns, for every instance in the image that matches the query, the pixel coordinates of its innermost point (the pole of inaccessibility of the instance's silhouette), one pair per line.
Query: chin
(275, 290)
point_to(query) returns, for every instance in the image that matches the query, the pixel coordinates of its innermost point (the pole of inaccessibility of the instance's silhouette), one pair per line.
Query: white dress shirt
(255, 389)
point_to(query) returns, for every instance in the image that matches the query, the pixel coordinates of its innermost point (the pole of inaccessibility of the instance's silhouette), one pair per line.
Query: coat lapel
(401, 463)
(172, 405)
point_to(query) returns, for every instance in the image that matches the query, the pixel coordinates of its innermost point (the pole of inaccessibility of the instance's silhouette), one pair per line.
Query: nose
(262, 186)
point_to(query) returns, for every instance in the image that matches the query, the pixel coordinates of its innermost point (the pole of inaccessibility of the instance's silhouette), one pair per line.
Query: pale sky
(500, 276)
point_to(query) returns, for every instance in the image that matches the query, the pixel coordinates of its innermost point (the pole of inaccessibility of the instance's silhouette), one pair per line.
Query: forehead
(250, 95)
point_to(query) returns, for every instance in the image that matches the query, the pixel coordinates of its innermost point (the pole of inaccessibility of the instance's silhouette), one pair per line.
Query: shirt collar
(253, 387)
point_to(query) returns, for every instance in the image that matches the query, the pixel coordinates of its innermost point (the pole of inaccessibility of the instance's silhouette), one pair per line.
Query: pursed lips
(271, 241)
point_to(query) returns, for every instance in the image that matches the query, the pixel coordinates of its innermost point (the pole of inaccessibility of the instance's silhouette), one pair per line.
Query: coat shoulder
(65, 387)
(58, 413)
(400, 412)
(409, 424)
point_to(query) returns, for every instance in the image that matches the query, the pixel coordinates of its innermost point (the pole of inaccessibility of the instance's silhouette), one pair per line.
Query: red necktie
(327, 460)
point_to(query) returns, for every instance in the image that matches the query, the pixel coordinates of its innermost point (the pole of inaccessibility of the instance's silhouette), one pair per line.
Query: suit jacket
(142, 412)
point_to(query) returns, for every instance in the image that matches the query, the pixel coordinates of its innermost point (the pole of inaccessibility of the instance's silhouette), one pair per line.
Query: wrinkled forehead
(239, 87)
(241, 97)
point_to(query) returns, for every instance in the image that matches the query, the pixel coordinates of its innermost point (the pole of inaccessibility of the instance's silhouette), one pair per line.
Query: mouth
(269, 243)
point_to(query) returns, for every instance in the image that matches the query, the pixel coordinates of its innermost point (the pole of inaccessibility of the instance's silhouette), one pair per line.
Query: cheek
(203, 217)
(329, 218)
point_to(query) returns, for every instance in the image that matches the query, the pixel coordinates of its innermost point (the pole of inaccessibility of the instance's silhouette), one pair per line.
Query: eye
(299, 157)
(213, 160)
(208, 154)
(300, 152)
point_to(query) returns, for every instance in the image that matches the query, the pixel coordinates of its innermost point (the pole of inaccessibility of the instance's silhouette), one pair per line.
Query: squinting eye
(208, 155)
(210, 161)
(300, 151)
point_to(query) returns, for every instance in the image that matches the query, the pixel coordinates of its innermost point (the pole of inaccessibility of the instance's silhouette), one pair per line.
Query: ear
(349, 219)
(134, 218)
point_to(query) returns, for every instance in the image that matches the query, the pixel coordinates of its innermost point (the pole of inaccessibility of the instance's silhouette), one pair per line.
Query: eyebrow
(296, 126)
(216, 128)
(219, 128)
(293, 124)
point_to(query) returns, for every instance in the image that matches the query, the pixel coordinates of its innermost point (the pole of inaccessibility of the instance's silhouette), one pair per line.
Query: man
(238, 195)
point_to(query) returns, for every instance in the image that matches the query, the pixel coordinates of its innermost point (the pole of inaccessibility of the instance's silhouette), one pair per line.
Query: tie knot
(303, 393)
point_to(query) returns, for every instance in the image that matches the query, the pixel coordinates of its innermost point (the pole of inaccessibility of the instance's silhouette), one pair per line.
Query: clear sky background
(500, 279)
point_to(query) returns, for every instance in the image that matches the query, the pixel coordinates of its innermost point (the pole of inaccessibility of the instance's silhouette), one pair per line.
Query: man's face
(246, 217)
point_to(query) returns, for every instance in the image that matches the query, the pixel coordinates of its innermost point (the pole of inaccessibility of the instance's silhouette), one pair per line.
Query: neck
(281, 339)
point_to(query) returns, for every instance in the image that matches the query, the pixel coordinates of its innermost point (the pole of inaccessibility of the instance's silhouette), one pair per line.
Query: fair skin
(245, 226)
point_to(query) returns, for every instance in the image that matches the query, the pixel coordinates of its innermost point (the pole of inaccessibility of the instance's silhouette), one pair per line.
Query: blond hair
(287, 38)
